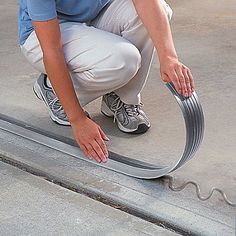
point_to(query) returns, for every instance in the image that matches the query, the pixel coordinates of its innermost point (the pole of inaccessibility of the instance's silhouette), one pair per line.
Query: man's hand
(155, 20)
(180, 75)
(90, 138)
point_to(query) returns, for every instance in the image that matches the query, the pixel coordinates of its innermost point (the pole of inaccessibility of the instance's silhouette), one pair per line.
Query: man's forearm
(156, 22)
(60, 79)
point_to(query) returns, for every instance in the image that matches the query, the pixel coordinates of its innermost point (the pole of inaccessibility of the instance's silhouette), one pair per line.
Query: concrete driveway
(204, 34)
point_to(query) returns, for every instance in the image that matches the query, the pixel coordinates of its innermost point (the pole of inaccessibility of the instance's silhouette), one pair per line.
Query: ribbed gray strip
(194, 123)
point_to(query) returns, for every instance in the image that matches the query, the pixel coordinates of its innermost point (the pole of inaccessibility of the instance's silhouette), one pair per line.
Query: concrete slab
(150, 200)
(30, 205)
(204, 35)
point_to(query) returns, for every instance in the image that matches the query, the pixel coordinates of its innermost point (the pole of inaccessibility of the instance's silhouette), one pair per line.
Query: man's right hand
(88, 134)
(90, 138)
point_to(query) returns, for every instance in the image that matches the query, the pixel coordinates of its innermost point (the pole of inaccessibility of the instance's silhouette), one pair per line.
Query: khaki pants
(111, 53)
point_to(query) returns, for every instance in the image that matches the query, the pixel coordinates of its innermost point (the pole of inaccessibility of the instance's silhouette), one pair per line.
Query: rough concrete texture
(204, 34)
(30, 205)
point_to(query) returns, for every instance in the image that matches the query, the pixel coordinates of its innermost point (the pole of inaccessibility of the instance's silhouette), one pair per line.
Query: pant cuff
(129, 98)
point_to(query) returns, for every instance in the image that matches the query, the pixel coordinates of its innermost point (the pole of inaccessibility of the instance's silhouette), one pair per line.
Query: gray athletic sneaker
(129, 118)
(45, 93)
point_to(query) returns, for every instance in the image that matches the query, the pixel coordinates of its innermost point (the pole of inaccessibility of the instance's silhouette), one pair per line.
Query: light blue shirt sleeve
(41, 10)
(66, 10)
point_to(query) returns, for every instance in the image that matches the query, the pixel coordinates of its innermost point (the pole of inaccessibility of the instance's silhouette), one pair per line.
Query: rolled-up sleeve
(41, 10)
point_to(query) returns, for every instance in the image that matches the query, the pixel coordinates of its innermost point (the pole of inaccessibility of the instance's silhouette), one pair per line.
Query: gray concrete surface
(30, 205)
(147, 199)
(204, 34)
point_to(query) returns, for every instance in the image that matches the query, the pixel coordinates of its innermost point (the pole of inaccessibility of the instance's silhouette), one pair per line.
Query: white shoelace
(60, 108)
(53, 102)
(131, 110)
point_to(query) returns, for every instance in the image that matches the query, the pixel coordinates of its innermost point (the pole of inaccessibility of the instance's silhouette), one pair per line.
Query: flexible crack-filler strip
(194, 123)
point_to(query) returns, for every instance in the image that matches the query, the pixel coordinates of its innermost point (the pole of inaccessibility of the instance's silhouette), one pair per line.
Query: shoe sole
(39, 95)
(142, 128)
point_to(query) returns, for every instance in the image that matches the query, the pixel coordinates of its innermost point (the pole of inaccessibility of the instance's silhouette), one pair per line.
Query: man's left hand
(180, 75)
